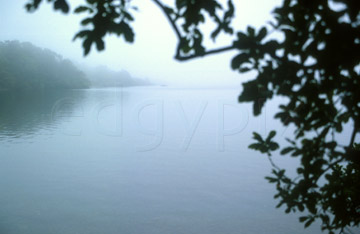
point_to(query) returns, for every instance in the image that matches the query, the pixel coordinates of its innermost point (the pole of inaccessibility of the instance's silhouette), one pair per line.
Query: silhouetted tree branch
(175, 28)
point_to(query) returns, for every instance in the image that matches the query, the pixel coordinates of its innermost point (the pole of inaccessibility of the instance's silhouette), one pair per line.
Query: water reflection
(23, 114)
(143, 118)
(100, 181)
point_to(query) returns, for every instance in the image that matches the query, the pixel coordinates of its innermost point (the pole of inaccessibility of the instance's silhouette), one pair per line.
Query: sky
(150, 56)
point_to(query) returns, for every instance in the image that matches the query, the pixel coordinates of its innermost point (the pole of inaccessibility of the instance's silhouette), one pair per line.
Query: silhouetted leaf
(271, 179)
(270, 136)
(81, 9)
(257, 137)
(238, 60)
(86, 21)
(61, 5)
(309, 222)
(262, 34)
(251, 31)
(273, 146)
(286, 150)
(255, 146)
(100, 44)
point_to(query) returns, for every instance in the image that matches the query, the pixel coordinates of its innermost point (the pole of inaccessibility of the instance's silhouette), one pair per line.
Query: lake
(152, 160)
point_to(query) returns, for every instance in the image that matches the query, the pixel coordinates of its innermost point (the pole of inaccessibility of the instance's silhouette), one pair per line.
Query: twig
(171, 21)
(273, 164)
(209, 52)
(178, 56)
(353, 136)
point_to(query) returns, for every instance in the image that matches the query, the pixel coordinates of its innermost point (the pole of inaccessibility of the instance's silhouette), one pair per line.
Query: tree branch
(179, 37)
(273, 164)
(209, 52)
(353, 135)
(171, 21)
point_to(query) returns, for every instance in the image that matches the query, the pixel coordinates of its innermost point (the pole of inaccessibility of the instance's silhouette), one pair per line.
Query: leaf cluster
(316, 67)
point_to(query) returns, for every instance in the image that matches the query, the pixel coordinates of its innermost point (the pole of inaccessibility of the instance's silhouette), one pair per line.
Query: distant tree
(25, 66)
(316, 66)
(102, 76)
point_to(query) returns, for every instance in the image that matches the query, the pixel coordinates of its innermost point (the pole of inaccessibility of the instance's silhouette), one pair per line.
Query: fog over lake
(137, 117)
(137, 160)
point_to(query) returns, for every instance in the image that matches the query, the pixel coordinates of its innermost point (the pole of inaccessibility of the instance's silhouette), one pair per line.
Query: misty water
(137, 160)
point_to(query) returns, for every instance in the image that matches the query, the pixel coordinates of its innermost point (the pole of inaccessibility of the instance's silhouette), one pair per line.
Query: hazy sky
(152, 53)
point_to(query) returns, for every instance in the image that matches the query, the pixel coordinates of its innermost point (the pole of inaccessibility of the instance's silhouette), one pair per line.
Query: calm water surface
(136, 160)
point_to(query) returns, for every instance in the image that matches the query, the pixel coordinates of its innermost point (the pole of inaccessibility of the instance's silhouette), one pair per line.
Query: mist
(150, 56)
(167, 135)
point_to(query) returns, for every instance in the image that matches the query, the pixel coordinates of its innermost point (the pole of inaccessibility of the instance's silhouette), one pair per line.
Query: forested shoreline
(24, 66)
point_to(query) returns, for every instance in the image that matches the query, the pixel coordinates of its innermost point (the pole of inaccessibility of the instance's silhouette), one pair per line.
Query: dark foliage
(317, 67)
